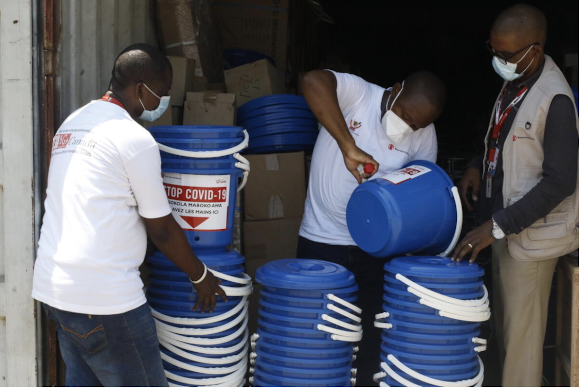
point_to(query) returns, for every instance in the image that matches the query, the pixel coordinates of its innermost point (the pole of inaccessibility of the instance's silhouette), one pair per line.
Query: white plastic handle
(245, 279)
(341, 335)
(426, 379)
(345, 313)
(203, 332)
(343, 302)
(225, 381)
(200, 321)
(207, 341)
(458, 225)
(206, 350)
(206, 371)
(337, 322)
(207, 154)
(207, 360)
(383, 325)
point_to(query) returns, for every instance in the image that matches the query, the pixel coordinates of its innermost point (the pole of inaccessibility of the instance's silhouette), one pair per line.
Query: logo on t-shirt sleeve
(60, 141)
(354, 125)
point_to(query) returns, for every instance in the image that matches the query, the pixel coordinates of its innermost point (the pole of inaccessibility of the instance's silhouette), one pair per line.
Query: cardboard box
(209, 108)
(187, 29)
(276, 187)
(254, 80)
(256, 25)
(200, 84)
(172, 116)
(183, 79)
(265, 241)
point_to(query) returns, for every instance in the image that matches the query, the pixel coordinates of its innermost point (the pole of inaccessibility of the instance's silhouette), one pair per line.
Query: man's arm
(320, 92)
(169, 238)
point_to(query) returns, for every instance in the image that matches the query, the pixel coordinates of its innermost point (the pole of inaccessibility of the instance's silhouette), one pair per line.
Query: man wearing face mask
(105, 194)
(360, 119)
(526, 189)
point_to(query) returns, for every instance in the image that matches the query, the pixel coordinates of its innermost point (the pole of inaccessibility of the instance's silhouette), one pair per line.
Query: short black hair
(139, 63)
(424, 83)
(524, 21)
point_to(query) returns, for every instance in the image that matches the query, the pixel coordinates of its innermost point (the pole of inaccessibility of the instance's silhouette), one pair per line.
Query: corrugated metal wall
(17, 308)
(93, 34)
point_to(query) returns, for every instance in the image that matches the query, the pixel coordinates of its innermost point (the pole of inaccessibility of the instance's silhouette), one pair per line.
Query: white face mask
(507, 71)
(395, 127)
(152, 115)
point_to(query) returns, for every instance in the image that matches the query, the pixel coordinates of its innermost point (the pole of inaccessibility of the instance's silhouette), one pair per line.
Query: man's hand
(471, 178)
(353, 157)
(474, 242)
(206, 293)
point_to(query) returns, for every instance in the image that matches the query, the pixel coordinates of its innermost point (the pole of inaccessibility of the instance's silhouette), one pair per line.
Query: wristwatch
(496, 232)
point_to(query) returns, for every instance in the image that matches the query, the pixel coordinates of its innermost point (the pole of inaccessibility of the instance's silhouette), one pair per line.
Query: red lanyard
(500, 118)
(112, 100)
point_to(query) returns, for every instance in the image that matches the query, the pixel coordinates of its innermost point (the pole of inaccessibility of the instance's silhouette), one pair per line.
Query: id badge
(488, 180)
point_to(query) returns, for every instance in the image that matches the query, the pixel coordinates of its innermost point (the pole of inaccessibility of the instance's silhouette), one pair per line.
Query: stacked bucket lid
(307, 326)
(432, 313)
(202, 349)
(278, 123)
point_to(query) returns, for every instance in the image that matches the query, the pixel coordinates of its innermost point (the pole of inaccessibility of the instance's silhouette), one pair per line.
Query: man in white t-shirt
(105, 195)
(361, 119)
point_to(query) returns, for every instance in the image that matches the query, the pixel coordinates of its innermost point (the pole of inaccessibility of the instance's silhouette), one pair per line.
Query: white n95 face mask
(395, 127)
(152, 115)
(507, 71)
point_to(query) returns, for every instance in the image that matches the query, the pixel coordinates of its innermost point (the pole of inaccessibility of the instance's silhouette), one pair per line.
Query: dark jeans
(368, 271)
(109, 350)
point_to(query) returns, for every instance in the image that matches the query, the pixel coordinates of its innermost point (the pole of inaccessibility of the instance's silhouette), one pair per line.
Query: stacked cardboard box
(254, 80)
(273, 205)
(256, 25)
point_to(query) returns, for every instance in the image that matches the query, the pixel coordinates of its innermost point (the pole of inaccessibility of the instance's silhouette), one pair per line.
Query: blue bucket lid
(305, 274)
(275, 129)
(277, 119)
(276, 99)
(284, 139)
(278, 111)
(279, 149)
(196, 131)
(433, 267)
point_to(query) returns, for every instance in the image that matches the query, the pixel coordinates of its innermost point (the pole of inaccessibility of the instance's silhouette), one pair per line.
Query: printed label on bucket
(198, 202)
(405, 174)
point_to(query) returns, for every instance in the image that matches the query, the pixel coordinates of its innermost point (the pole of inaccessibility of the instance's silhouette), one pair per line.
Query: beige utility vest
(523, 155)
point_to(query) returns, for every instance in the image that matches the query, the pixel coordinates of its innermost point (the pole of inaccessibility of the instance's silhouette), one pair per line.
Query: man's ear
(394, 91)
(139, 90)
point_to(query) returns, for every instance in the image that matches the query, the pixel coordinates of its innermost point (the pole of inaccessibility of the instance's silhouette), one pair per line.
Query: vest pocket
(545, 234)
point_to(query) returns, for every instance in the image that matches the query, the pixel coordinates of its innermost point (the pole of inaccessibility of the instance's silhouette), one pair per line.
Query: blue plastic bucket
(409, 211)
(201, 192)
(277, 100)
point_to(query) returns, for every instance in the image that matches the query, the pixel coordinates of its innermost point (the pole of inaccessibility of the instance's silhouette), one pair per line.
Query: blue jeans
(109, 350)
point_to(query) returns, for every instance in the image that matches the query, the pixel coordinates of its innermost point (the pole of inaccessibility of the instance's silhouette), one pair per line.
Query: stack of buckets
(307, 325)
(442, 350)
(201, 349)
(278, 123)
(432, 306)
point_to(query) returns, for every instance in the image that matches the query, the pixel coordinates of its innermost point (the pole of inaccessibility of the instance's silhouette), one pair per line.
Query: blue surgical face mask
(152, 115)
(507, 71)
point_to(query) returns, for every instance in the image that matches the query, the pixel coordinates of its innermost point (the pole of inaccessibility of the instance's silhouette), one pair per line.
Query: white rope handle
(343, 302)
(238, 291)
(427, 379)
(458, 224)
(383, 325)
(345, 313)
(197, 349)
(243, 164)
(202, 332)
(207, 341)
(207, 154)
(200, 321)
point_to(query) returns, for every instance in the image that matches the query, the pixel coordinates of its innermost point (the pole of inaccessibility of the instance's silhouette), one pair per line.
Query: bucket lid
(277, 99)
(304, 274)
(284, 139)
(287, 110)
(433, 267)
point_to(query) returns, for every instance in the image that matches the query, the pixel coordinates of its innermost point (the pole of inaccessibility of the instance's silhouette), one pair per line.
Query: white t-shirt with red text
(331, 184)
(105, 174)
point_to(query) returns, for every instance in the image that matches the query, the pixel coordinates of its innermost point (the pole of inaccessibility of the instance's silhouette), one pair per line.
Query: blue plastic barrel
(292, 349)
(419, 337)
(202, 192)
(412, 210)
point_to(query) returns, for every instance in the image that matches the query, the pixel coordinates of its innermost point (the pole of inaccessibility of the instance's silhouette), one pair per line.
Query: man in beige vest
(525, 187)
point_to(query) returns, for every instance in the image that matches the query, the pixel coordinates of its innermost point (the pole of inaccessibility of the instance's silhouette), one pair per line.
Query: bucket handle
(459, 223)
(242, 163)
